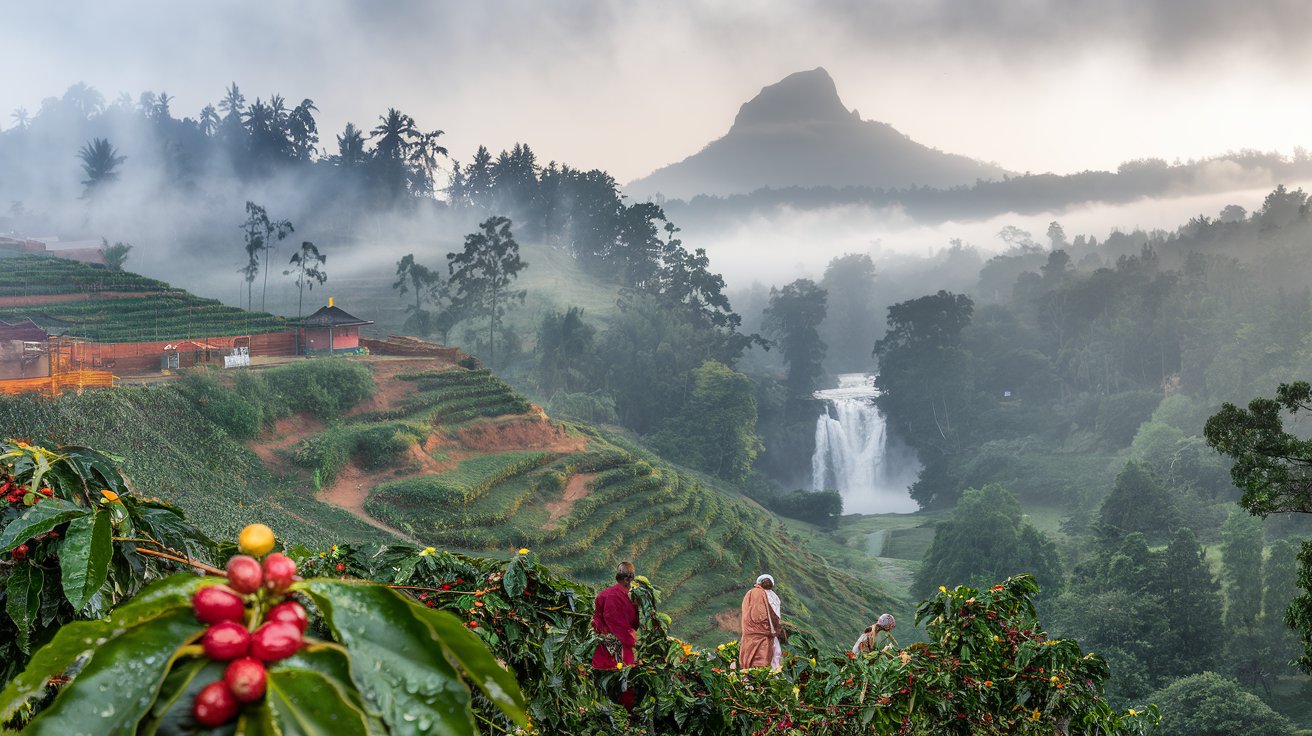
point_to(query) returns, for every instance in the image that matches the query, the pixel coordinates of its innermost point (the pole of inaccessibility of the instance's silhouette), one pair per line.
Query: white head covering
(764, 578)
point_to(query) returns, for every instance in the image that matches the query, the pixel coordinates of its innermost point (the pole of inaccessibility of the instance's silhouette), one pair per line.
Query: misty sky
(1038, 85)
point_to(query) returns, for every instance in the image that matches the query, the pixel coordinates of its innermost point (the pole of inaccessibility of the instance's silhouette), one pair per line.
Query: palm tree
(233, 102)
(350, 147)
(396, 135)
(161, 109)
(99, 159)
(85, 100)
(20, 117)
(209, 120)
(302, 131)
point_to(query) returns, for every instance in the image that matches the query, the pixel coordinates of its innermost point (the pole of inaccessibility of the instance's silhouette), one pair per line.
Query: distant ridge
(797, 132)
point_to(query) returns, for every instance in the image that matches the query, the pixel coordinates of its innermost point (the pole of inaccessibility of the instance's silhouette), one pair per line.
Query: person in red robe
(760, 628)
(615, 619)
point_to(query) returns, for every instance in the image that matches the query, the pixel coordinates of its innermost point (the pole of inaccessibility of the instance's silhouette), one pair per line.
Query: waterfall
(854, 454)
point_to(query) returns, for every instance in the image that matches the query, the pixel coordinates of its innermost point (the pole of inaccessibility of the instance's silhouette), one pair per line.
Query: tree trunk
(264, 291)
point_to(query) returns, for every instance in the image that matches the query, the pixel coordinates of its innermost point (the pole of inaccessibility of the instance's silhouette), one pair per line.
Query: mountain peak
(799, 97)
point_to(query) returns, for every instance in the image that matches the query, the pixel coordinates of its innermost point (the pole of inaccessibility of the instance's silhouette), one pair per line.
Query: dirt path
(518, 433)
(730, 620)
(349, 491)
(391, 390)
(576, 490)
(287, 432)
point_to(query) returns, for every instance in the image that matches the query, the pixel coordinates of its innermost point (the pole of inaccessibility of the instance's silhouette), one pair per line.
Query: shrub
(236, 415)
(1120, 415)
(324, 388)
(596, 407)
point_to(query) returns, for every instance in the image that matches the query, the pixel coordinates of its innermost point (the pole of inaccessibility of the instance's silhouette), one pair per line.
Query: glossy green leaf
(475, 660)
(516, 578)
(39, 519)
(84, 557)
(393, 661)
(23, 599)
(171, 713)
(332, 661)
(118, 683)
(96, 468)
(79, 640)
(308, 703)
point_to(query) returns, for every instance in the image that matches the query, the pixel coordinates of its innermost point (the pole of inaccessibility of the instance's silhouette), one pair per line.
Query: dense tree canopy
(987, 534)
(793, 319)
(1210, 705)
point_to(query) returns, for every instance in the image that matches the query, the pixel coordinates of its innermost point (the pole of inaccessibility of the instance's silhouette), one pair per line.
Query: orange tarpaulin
(53, 385)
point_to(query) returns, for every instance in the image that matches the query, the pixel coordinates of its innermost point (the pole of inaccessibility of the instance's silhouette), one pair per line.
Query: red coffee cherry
(246, 678)
(216, 603)
(289, 612)
(215, 705)
(275, 640)
(244, 574)
(279, 572)
(225, 641)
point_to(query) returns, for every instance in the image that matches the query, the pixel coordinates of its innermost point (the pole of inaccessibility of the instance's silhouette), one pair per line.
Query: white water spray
(854, 454)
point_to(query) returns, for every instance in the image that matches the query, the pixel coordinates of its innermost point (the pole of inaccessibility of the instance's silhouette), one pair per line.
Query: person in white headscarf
(767, 582)
(761, 626)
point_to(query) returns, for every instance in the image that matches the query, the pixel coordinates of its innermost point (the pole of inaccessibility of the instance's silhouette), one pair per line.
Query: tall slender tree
(481, 275)
(260, 233)
(426, 285)
(307, 264)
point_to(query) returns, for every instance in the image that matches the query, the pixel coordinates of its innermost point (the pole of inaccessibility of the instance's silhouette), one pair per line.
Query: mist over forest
(917, 367)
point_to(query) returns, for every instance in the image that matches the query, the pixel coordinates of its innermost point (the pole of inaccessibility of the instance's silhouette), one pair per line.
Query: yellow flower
(1034, 714)
(997, 638)
(1053, 679)
(796, 691)
(942, 589)
(720, 647)
(523, 550)
(813, 661)
(334, 548)
(109, 495)
(619, 665)
(905, 657)
(427, 551)
(1134, 712)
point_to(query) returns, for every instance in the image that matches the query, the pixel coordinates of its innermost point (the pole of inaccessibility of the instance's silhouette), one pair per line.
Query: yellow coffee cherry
(255, 540)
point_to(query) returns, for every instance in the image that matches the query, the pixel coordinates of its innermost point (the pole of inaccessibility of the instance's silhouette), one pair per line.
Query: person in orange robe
(761, 626)
(615, 619)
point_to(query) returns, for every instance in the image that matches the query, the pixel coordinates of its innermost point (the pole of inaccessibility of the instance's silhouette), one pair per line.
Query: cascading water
(854, 454)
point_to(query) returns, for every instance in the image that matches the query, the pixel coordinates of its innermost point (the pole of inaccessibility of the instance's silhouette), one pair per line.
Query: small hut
(330, 330)
(24, 350)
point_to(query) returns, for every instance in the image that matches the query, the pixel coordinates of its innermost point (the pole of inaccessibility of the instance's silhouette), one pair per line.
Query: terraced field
(45, 275)
(107, 308)
(455, 459)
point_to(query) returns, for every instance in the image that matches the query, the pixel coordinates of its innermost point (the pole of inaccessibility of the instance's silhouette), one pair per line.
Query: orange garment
(760, 627)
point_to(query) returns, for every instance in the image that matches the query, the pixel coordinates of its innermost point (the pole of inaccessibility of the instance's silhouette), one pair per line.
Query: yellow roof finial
(330, 301)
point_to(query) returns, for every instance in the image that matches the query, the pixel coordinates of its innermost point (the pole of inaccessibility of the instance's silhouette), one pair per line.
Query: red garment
(613, 612)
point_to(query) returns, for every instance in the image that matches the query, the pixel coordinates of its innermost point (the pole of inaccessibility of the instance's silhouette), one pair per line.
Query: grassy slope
(171, 451)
